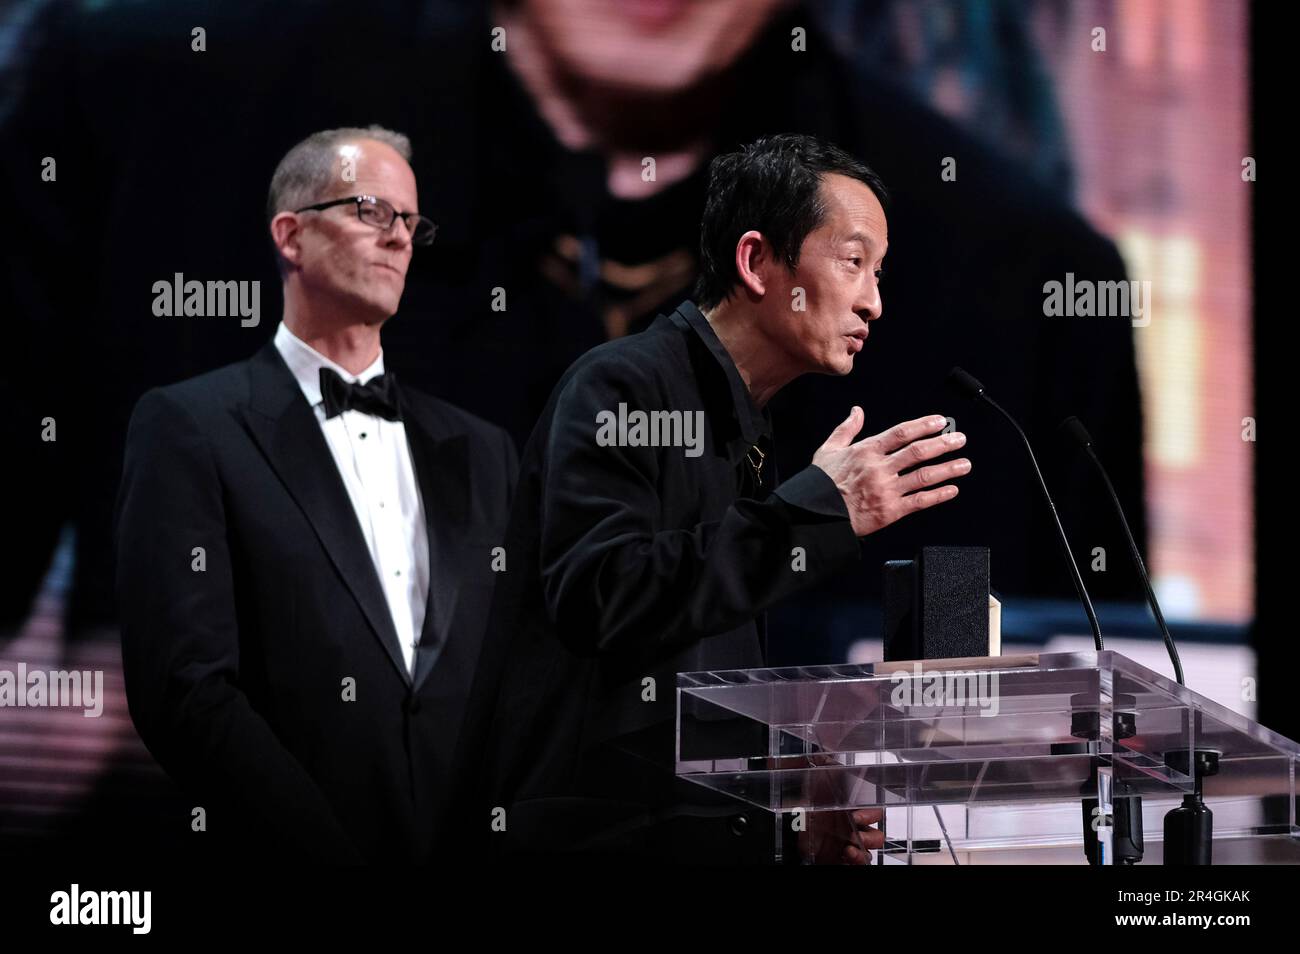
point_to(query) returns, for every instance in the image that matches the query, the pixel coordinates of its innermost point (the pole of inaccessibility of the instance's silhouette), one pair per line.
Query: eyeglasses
(375, 211)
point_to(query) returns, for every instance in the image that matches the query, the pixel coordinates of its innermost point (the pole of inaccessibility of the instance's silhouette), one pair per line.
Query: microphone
(1073, 427)
(968, 386)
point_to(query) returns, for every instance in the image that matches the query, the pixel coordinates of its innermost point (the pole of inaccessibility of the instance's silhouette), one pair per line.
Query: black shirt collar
(754, 424)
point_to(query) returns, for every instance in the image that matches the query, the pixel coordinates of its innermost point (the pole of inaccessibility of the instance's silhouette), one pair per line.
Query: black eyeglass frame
(375, 201)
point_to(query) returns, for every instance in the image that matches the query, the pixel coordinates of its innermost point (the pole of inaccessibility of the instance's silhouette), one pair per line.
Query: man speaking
(641, 545)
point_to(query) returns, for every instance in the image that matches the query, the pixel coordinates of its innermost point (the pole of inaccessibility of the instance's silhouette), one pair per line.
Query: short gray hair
(307, 170)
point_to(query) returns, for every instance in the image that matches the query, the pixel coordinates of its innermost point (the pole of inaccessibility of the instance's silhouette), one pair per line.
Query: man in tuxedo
(305, 549)
(638, 554)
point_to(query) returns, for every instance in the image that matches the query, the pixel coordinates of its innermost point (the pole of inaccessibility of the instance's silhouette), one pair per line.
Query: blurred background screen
(1101, 139)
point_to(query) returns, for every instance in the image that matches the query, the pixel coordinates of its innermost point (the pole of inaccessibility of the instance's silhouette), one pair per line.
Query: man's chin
(834, 369)
(841, 366)
(377, 310)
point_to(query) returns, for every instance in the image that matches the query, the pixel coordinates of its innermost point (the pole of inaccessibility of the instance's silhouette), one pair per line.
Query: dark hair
(773, 186)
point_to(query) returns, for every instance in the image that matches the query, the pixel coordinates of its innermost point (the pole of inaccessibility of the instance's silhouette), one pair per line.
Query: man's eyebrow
(864, 239)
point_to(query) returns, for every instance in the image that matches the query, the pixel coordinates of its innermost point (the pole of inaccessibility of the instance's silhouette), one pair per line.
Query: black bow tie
(378, 396)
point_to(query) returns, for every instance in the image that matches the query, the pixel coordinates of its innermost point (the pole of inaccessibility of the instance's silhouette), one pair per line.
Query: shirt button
(397, 573)
(381, 505)
(362, 435)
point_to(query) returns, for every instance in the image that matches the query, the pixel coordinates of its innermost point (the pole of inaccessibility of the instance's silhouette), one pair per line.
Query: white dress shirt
(374, 460)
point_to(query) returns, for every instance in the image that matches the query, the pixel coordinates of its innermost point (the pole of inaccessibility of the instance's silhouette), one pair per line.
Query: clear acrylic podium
(999, 760)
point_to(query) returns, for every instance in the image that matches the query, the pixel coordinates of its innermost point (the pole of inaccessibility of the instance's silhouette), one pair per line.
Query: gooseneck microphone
(1073, 427)
(968, 386)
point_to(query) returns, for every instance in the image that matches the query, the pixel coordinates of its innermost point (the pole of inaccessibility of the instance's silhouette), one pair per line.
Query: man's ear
(285, 231)
(753, 256)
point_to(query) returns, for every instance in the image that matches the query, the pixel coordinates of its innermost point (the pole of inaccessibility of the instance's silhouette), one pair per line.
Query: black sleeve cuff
(812, 491)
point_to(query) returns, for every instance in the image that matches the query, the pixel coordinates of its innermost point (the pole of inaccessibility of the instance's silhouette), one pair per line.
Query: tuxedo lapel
(286, 430)
(441, 464)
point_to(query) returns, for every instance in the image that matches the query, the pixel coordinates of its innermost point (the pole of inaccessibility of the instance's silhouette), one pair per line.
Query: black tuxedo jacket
(262, 667)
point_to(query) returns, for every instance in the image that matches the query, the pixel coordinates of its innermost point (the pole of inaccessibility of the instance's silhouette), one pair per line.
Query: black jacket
(235, 672)
(628, 564)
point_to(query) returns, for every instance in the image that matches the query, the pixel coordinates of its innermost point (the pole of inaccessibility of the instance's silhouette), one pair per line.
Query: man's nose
(397, 234)
(869, 306)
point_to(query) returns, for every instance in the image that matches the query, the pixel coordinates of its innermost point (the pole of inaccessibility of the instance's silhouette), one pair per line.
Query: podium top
(997, 728)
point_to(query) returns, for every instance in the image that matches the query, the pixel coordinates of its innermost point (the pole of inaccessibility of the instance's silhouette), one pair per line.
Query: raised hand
(882, 478)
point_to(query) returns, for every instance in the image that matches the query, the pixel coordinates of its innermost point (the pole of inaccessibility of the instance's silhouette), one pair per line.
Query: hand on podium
(843, 837)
